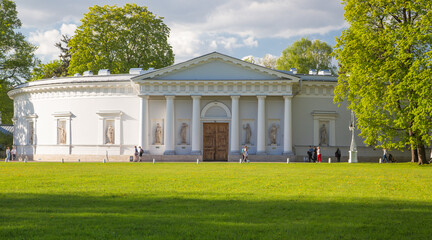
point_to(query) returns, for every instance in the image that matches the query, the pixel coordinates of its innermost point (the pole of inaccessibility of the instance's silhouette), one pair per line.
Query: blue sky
(237, 28)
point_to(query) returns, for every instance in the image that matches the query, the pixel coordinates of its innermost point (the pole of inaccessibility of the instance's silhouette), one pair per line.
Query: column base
(196, 152)
(169, 152)
(352, 157)
(261, 153)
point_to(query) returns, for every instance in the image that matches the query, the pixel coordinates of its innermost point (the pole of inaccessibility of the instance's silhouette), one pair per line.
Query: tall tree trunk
(421, 154)
(414, 155)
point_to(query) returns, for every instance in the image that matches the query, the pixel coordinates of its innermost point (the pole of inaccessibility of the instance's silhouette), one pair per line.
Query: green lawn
(215, 201)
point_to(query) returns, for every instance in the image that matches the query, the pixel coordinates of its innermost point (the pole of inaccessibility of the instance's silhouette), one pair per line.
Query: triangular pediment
(215, 66)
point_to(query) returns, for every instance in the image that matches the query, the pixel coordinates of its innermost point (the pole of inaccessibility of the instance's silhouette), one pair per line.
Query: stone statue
(31, 132)
(183, 133)
(248, 133)
(62, 134)
(273, 133)
(323, 135)
(158, 134)
(110, 134)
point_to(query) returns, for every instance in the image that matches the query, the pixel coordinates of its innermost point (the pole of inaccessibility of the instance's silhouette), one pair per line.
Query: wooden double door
(215, 141)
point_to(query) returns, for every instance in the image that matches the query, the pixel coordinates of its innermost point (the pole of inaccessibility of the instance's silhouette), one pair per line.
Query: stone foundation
(191, 158)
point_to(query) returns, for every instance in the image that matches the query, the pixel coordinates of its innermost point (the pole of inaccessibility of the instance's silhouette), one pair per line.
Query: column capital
(261, 96)
(144, 96)
(288, 96)
(196, 96)
(169, 97)
(235, 97)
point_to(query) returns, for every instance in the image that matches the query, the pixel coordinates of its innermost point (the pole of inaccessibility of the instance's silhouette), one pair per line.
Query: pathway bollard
(79, 160)
(104, 161)
(380, 160)
(62, 160)
(25, 159)
(197, 160)
(240, 161)
(154, 161)
(329, 160)
(6, 160)
(288, 160)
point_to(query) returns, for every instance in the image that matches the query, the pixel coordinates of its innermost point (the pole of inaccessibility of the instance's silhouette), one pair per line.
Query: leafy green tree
(16, 54)
(304, 55)
(119, 38)
(47, 70)
(6, 104)
(386, 71)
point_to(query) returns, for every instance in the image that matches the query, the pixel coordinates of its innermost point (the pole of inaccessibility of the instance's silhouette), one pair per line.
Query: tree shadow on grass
(41, 216)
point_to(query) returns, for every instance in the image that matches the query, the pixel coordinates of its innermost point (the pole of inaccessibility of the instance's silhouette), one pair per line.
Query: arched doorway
(215, 131)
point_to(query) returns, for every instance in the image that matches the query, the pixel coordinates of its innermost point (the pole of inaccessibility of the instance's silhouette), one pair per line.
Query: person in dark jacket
(314, 154)
(338, 154)
(309, 153)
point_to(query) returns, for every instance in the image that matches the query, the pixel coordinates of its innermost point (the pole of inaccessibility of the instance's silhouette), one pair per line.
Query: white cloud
(68, 29)
(46, 41)
(250, 42)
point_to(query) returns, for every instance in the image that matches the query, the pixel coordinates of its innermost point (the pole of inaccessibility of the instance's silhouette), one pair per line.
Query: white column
(288, 126)
(261, 137)
(196, 125)
(143, 124)
(169, 127)
(316, 132)
(235, 125)
(332, 133)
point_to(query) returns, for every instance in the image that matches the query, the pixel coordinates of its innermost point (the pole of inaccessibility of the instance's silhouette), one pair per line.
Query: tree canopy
(47, 70)
(268, 61)
(386, 71)
(120, 38)
(305, 54)
(16, 54)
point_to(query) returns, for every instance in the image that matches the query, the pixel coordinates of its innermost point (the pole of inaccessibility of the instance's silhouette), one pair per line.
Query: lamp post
(353, 147)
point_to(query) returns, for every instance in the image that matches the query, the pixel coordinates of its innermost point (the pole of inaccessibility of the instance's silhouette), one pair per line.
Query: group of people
(10, 154)
(314, 154)
(245, 154)
(139, 152)
(387, 157)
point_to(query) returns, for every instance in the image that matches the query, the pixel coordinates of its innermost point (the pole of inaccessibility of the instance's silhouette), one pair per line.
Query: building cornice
(72, 87)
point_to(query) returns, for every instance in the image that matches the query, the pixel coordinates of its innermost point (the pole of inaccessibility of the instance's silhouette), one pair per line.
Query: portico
(233, 92)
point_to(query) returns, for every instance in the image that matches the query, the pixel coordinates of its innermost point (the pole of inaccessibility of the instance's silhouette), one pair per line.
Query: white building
(203, 107)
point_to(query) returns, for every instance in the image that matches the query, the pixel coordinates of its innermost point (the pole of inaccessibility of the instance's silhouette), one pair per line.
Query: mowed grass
(215, 201)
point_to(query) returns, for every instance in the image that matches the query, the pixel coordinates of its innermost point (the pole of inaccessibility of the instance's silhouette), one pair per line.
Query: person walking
(8, 154)
(309, 153)
(244, 154)
(314, 158)
(13, 152)
(319, 154)
(385, 159)
(141, 152)
(136, 154)
(338, 154)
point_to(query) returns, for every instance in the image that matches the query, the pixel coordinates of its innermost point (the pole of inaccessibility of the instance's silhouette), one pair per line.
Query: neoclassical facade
(206, 108)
